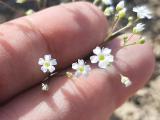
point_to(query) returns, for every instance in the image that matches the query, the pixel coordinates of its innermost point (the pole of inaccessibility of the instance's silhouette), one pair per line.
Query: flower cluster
(120, 11)
(103, 56)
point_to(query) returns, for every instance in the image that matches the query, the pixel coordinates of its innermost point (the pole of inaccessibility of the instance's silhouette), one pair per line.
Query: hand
(68, 32)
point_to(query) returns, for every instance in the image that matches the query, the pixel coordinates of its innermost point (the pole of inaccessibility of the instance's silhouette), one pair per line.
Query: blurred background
(145, 104)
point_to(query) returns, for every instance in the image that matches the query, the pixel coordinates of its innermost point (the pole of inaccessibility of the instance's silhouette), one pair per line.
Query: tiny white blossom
(47, 64)
(109, 11)
(102, 56)
(126, 81)
(138, 28)
(107, 2)
(120, 5)
(142, 12)
(45, 87)
(81, 68)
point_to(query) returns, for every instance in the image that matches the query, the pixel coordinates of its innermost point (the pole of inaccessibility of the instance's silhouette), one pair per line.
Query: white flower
(142, 12)
(45, 87)
(109, 11)
(126, 81)
(107, 2)
(81, 68)
(138, 28)
(120, 5)
(47, 64)
(102, 56)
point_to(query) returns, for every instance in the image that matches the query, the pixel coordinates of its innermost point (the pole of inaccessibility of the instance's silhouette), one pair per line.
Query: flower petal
(85, 74)
(110, 58)
(81, 62)
(87, 68)
(51, 69)
(94, 59)
(97, 50)
(75, 66)
(106, 51)
(53, 62)
(77, 74)
(44, 69)
(107, 2)
(102, 65)
(47, 57)
(41, 61)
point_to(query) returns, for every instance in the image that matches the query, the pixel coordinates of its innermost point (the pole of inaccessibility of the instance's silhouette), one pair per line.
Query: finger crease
(38, 33)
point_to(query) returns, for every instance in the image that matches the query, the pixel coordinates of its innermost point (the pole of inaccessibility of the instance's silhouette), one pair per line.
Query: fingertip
(68, 32)
(79, 23)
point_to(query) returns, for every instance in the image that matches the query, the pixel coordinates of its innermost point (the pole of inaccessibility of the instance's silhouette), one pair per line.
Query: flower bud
(109, 11)
(141, 41)
(29, 12)
(126, 81)
(69, 74)
(120, 5)
(138, 28)
(122, 13)
(45, 87)
(130, 19)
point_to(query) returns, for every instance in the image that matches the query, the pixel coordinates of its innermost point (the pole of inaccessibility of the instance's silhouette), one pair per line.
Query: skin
(68, 32)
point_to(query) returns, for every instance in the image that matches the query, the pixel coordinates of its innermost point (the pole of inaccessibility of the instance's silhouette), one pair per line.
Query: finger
(67, 32)
(87, 99)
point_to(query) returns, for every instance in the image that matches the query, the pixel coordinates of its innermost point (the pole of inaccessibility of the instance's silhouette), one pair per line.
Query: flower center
(47, 64)
(81, 69)
(101, 57)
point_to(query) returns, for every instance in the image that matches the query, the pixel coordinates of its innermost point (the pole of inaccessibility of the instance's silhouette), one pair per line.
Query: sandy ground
(145, 104)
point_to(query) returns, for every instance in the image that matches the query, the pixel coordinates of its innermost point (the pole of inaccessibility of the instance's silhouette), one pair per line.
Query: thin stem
(134, 43)
(124, 28)
(38, 4)
(44, 3)
(115, 24)
(121, 30)
(10, 7)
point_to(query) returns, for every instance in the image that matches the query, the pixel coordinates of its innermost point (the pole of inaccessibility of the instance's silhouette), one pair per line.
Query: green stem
(38, 4)
(44, 3)
(10, 7)
(134, 43)
(115, 24)
(117, 33)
